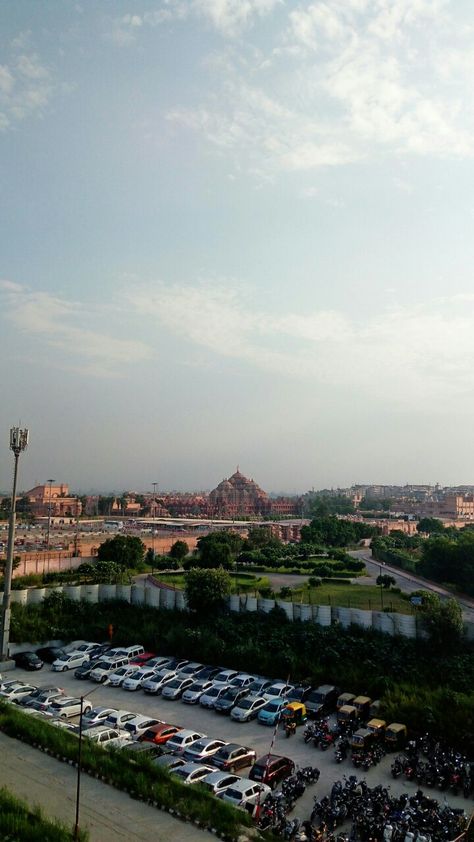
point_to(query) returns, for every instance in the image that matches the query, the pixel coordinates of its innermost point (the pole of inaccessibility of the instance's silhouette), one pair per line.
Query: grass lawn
(352, 596)
(240, 584)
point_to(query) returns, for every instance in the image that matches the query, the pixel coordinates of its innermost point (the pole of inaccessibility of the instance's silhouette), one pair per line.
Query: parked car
(270, 712)
(202, 750)
(154, 685)
(107, 737)
(70, 661)
(48, 654)
(105, 667)
(259, 685)
(271, 769)
(87, 648)
(300, 693)
(191, 773)
(16, 690)
(28, 660)
(85, 670)
(233, 756)
(242, 679)
(41, 694)
(97, 716)
(206, 673)
(118, 676)
(135, 749)
(192, 695)
(322, 700)
(175, 688)
(159, 662)
(68, 706)
(225, 676)
(137, 726)
(217, 782)
(230, 699)
(130, 652)
(100, 650)
(209, 698)
(245, 792)
(177, 663)
(183, 739)
(190, 669)
(279, 690)
(120, 718)
(142, 659)
(247, 708)
(136, 679)
(168, 761)
(159, 734)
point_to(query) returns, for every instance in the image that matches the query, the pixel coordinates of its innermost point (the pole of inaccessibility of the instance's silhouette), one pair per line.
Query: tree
(179, 550)
(259, 537)
(218, 549)
(101, 571)
(443, 621)
(207, 590)
(385, 580)
(429, 525)
(125, 550)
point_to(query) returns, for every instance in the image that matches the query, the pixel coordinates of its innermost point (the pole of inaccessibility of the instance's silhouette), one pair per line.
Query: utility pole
(154, 484)
(50, 481)
(18, 443)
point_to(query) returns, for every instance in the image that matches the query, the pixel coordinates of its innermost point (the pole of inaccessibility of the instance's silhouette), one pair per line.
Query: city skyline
(237, 233)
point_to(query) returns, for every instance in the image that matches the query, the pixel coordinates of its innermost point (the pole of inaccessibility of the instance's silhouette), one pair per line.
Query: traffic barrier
(153, 597)
(287, 607)
(73, 592)
(322, 615)
(20, 597)
(107, 592)
(344, 616)
(360, 617)
(124, 592)
(138, 595)
(90, 593)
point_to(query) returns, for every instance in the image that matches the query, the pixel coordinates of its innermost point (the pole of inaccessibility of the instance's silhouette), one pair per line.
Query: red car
(140, 660)
(160, 733)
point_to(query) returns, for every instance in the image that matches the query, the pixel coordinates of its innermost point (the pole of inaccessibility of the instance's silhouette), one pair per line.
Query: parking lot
(252, 734)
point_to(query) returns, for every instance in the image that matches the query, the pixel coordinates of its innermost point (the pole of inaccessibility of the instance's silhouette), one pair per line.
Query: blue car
(269, 714)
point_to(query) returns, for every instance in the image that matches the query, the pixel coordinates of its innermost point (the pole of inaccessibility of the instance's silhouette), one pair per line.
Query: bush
(18, 821)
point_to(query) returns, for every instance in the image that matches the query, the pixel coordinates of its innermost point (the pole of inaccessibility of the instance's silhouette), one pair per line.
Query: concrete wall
(401, 624)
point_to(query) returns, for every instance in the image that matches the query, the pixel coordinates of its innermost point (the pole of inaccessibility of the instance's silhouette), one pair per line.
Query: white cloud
(403, 354)
(26, 86)
(66, 326)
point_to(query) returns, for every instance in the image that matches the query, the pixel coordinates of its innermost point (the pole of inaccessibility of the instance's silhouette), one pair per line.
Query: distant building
(54, 499)
(239, 496)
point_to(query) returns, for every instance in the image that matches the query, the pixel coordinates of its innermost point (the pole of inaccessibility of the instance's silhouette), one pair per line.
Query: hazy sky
(237, 232)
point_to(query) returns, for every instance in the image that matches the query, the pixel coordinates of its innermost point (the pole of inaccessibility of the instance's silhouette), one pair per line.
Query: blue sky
(238, 231)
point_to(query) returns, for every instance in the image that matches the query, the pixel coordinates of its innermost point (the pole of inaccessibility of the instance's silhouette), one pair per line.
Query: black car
(229, 699)
(300, 693)
(48, 654)
(28, 660)
(99, 650)
(85, 670)
(206, 673)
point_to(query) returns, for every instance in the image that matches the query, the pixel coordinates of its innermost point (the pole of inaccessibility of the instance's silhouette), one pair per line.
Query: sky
(237, 232)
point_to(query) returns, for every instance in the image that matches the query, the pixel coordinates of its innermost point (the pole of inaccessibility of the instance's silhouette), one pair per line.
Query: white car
(175, 688)
(72, 647)
(105, 667)
(158, 662)
(107, 737)
(190, 669)
(137, 726)
(201, 750)
(154, 685)
(210, 697)
(136, 679)
(245, 792)
(182, 740)
(116, 677)
(247, 708)
(16, 690)
(85, 647)
(278, 690)
(225, 676)
(191, 773)
(68, 706)
(120, 718)
(70, 661)
(242, 679)
(96, 716)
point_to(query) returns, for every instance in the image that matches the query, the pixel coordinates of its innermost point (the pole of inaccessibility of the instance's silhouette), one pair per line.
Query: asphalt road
(222, 727)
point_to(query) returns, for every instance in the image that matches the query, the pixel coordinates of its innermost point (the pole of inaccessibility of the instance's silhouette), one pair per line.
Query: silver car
(155, 684)
(192, 695)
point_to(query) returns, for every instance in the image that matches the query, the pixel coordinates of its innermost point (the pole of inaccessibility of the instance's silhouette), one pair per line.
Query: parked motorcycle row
(431, 764)
(376, 815)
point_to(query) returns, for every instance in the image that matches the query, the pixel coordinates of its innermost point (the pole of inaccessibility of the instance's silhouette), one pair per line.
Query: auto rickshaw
(362, 705)
(294, 712)
(347, 714)
(374, 709)
(377, 727)
(396, 736)
(362, 739)
(345, 699)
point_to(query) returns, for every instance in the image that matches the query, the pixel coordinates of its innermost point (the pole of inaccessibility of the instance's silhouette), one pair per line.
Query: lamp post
(79, 762)
(381, 586)
(50, 482)
(18, 443)
(154, 484)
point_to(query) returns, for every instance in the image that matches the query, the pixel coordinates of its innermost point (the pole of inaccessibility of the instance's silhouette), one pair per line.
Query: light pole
(50, 482)
(154, 484)
(79, 762)
(381, 586)
(18, 443)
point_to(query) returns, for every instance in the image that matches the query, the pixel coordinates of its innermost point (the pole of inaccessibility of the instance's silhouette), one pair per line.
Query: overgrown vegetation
(18, 821)
(361, 661)
(140, 778)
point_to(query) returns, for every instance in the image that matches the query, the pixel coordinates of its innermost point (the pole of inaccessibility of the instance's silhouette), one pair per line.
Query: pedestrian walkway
(108, 814)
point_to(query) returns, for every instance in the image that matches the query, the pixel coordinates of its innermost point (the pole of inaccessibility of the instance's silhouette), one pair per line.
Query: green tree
(385, 580)
(179, 550)
(442, 620)
(325, 504)
(207, 590)
(429, 525)
(127, 551)
(218, 549)
(104, 504)
(108, 572)
(259, 537)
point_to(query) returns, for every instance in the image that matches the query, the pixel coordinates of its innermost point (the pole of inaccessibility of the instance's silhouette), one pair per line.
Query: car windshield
(174, 684)
(274, 690)
(121, 671)
(198, 687)
(101, 665)
(231, 694)
(214, 691)
(182, 773)
(233, 793)
(246, 704)
(93, 712)
(272, 707)
(135, 674)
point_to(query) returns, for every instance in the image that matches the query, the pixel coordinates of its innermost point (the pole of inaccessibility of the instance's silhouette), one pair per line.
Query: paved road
(221, 727)
(108, 814)
(409, 582)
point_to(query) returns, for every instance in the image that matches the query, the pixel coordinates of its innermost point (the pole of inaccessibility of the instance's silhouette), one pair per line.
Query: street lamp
(18, 443)
(79, 762)
(50, 481)
(381, 585)
(154, 484)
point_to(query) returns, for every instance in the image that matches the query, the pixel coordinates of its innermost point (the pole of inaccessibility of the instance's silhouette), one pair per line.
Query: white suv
(245, 792)
(70, 661)
(106, 667)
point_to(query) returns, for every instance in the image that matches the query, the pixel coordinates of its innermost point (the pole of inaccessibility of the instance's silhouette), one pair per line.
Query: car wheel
(232, 769)
(64, 669)
(87, 709)
(63, 716)
(103, 679)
